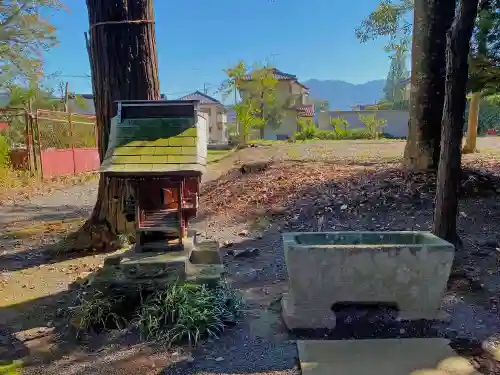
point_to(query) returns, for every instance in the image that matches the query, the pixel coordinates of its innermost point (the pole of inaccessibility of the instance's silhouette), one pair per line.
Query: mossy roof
(153, 146)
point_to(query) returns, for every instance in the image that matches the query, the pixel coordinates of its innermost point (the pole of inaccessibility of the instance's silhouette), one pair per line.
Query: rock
(246, 253)
(230, 252)
(228, 243)
(243, 233)
(190, 358)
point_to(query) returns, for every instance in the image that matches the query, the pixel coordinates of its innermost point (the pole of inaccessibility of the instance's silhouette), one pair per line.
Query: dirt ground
(312, 186)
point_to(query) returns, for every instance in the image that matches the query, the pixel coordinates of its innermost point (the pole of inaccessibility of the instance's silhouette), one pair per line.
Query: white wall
(397, 120)
(215, 114)
(288, 127)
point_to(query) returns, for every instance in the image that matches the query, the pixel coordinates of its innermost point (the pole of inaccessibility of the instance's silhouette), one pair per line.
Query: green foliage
(54, 132)
(259, 97)
(372, 124)
(188, 312)
(349, 134)
(12, 368)
(24, 37)
(182, 312)
(234, 79)
(248, 118)
(97, 310)
(489, 114)
(4, 152)
(307, 129)
(340, 125)
(389, 19)
(393, 90)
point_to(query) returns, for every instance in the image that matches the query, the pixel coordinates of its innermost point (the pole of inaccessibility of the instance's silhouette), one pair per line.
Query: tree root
(468, 150)
(93, 236)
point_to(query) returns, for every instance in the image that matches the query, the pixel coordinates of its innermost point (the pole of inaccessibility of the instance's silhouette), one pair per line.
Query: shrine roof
(154, 146)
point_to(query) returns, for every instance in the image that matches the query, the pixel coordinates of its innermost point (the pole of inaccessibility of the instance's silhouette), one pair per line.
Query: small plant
(188, 312)
(307, 129)
(4, 152)
(11, 368)
(373, 125)
(340, 126)
(97, 310)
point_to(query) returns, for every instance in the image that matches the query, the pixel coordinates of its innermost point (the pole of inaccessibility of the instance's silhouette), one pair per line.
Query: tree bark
(124, 66)
(432, 19)
(470, 141)
(457, 54)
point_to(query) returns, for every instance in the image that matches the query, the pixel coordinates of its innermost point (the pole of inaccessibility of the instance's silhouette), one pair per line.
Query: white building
(217, 116)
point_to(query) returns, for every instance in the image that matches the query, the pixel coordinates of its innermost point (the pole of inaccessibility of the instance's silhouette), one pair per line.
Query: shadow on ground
(27, 213)
(385, 199)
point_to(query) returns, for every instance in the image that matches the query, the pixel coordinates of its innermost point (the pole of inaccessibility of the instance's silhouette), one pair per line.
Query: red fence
(67, 143)
(62, 162)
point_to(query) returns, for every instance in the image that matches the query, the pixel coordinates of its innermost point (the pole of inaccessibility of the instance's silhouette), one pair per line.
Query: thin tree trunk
(432, 19)
(470, 141)
(457, 54)
(124, 67)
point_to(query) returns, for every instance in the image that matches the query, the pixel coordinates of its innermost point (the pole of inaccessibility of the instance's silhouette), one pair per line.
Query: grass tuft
(182, 313)
(188, 313)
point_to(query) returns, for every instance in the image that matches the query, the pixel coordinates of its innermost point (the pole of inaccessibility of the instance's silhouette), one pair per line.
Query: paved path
(78, 200)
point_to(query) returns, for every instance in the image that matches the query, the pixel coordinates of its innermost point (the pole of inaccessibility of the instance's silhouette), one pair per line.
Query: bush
(4, 152)
(307, 130)
(182, 312)
(348, 134)
(188, 312)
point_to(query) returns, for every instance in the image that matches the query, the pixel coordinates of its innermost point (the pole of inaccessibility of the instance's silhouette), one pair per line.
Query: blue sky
(196, 39)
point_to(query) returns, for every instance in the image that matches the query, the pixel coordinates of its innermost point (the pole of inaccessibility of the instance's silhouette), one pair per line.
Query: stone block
(382, 357)
(407, 269)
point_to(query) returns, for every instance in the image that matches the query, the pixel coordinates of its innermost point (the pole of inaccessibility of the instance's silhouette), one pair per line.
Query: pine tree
(398, 71)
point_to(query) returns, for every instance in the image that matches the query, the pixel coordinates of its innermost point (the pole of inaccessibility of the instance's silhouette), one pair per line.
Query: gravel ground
(260, 344)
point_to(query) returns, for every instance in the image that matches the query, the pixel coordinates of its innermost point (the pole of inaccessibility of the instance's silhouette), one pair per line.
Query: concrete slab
(422, 356)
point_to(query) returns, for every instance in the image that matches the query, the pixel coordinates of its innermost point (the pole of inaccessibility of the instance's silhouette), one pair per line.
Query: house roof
(278, 75)
(305, 110)
(201, 97)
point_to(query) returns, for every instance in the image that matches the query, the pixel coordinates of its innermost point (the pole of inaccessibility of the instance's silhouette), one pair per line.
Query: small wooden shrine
(160, 147)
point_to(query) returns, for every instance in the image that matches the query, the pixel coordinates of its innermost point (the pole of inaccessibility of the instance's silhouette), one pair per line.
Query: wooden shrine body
(163, 207)
(160, 148)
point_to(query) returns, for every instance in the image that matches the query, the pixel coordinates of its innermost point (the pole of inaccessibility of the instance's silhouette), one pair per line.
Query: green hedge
(4, 152)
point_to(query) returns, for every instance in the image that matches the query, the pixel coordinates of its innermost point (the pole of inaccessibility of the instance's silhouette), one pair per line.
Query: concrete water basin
(408, 270)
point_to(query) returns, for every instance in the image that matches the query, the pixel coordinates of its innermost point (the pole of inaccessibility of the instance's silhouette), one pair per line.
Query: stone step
(420, 356)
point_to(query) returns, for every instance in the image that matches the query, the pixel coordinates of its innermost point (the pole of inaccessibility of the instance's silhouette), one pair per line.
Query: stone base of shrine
(197, 262)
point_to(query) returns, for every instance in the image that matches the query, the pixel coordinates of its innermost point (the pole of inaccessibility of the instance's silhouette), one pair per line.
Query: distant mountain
(342, 95)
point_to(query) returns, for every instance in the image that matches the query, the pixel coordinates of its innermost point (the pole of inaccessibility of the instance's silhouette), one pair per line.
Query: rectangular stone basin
(409, 270)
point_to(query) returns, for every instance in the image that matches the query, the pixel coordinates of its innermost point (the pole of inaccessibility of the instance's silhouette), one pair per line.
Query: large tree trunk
(432, 19)
(124, 67)
(457, 54)
(470, 141)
